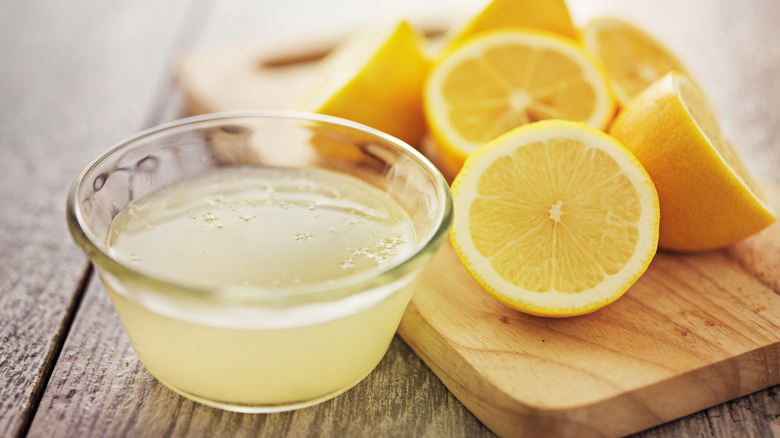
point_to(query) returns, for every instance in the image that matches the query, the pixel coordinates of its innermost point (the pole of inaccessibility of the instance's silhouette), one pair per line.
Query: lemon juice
(265, 239)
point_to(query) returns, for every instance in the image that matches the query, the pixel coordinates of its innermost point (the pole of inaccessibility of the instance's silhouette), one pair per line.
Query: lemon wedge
(632, 58)
(548, 15)
(708, 197)
(375, 77)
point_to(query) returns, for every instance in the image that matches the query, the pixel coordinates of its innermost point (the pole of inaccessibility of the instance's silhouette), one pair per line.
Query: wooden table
(78, 76)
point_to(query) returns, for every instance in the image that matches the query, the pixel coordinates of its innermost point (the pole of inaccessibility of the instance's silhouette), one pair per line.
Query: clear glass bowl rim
(426, 245)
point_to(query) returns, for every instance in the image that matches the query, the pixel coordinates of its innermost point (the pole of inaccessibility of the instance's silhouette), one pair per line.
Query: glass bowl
(260, 261)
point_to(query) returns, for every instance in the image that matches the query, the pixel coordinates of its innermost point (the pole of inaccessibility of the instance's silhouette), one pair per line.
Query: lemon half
(507, 78)
(555, 218)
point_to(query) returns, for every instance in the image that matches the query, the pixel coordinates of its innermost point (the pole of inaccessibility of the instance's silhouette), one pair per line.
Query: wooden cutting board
(694, 331)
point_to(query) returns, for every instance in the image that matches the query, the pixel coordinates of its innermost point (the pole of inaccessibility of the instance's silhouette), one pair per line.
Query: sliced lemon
(708, 197)
(503, 79)
(555, 218)
(375, 77)
(549, 15)
(632, 58)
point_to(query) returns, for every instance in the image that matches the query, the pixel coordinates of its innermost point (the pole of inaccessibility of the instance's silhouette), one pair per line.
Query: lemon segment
(503, 79)
(548, 15)
(375, 77)
(708, 197)
(632, 58)
(555, 218)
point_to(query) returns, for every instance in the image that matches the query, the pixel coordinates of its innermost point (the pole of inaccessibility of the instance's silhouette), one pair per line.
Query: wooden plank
(75, 78)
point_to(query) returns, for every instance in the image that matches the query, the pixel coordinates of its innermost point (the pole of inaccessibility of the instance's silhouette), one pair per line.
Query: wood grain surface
(71, 84)
(79, 76)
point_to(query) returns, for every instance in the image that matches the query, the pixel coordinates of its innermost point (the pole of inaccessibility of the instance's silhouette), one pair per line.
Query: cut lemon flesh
(549, 15)
(504, 79)
(375, 77)
(632, 58)
(702, 114)
(708, 197)
(554, 218)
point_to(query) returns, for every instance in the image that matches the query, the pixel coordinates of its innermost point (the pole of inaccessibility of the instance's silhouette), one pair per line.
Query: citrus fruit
(375, 77)
(549, 15)
(708, 197)
(502, 79)
(632, 58)
(554, 218)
